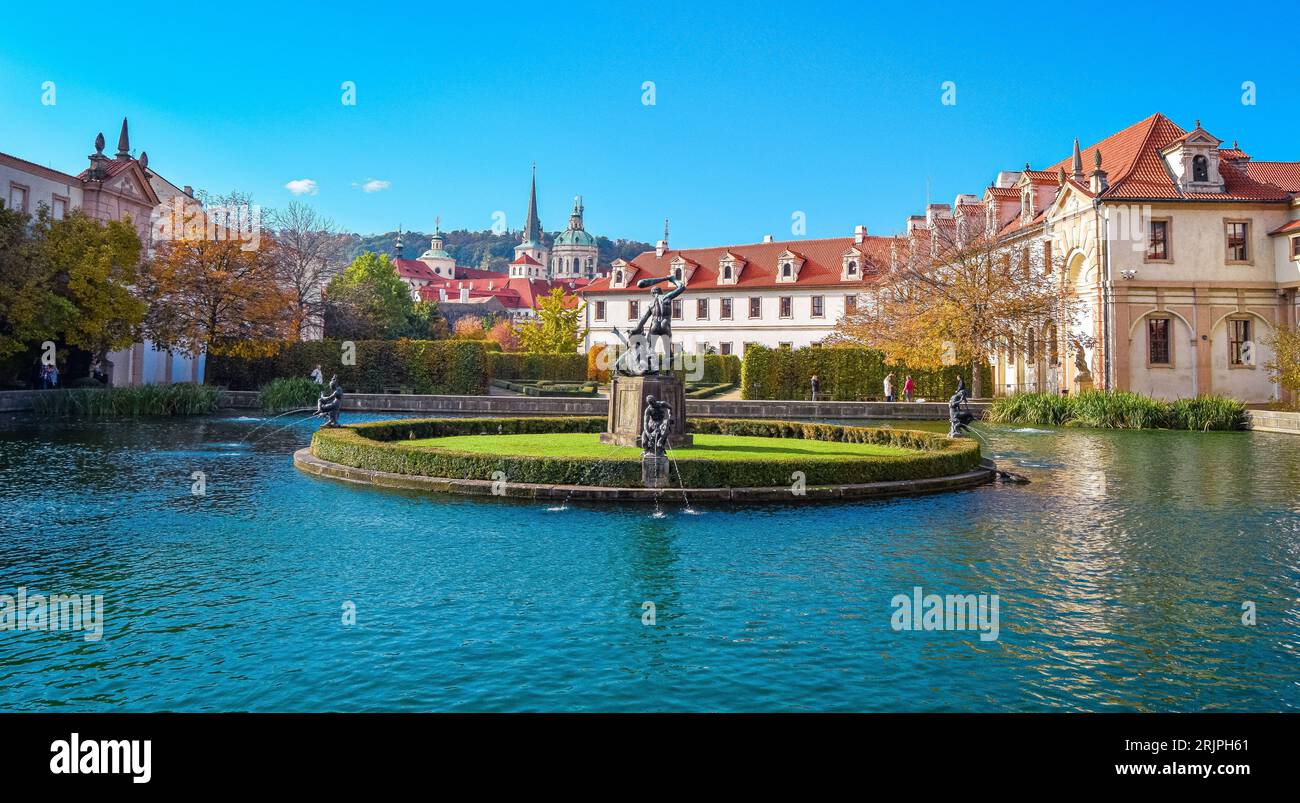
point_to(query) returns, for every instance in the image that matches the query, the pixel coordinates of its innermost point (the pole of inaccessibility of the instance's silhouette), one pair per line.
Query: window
(600, 310)
(785, 345)
(677, 309)
(787, 307)
(633, 310)
(726, 272)
(18, 197)
(1200, 168)
(850, 305)
(1158, 341)
(725, 309)
(1238, 235)
(1295, 247)
(618, 277)
(852, 268)
(725, 348)
(755, 307)
(785, 270)
(1240, 342)
(60, 207)
(818, 306)
(677, 274)
(702, 309)
(1158, 240)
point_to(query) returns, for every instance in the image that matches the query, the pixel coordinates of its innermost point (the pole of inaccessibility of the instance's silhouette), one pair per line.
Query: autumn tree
(957, 305)
(469, 327)
(558, 327)
(204, 293)
(504, 335)
(1284, 367)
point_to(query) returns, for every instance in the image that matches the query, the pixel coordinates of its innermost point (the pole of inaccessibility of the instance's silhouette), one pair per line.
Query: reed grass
(1119, 410)
(288, 393)
(141, 400)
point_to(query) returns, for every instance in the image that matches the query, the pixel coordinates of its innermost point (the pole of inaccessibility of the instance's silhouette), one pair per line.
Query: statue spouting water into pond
(656, 426)
(329, 404)
(959, 415)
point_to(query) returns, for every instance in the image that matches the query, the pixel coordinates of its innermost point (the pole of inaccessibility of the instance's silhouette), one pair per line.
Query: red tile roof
(414, 269)
(524, 259)
(821, 268)
(515, 293)
(1284, 175)
(1287, 228)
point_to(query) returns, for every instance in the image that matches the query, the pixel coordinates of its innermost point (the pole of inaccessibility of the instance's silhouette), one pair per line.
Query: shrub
(379, 447)
(151, 400)
(595, 359)
(455, 367)
(1118, 410)
(844, 374)
(288, 393)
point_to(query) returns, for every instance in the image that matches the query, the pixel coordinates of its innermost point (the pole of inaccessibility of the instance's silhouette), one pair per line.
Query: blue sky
(761, 110)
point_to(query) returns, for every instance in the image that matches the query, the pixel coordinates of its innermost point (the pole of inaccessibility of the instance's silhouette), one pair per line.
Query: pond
(1121, 572)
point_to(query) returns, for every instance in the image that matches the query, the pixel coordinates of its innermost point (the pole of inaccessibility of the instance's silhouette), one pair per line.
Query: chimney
(1097, 181)
(915, 222)
(859, 234)
(767, 238)
(442, 294)
(464, 295)
(188, 190)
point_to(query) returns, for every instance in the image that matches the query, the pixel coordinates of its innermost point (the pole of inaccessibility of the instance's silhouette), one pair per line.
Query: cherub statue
(328, 404)
(656, 426)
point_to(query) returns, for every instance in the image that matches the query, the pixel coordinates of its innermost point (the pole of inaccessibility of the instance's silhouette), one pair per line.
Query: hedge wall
(525, 365)
(457, 367)
(379, 447)
(844, 374)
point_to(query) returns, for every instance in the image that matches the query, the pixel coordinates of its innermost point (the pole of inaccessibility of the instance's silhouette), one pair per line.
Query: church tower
(442, 263)
(575, 253)
(531, 255)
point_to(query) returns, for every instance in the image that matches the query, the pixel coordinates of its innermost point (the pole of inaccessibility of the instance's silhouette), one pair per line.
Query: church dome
(575, 237)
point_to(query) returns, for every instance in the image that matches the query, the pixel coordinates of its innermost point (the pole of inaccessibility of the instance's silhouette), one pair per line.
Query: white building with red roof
(769, 293)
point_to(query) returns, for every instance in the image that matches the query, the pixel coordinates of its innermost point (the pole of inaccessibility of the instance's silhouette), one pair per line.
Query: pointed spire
(532, 224)
(123, 143)
(1076, 164)
(397, 244)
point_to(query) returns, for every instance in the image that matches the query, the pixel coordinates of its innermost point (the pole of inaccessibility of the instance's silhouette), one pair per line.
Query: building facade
(120, 187)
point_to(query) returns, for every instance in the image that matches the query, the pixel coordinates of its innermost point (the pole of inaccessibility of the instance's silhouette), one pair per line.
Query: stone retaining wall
(1273, 421)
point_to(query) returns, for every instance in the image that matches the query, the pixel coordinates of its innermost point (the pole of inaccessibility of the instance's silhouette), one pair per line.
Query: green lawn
(707, 447)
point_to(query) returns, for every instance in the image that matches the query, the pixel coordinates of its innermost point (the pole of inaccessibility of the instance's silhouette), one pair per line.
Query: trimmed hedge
(379, 447)
(547, 387)
(844, 374)
(526, 365)
(453, 367)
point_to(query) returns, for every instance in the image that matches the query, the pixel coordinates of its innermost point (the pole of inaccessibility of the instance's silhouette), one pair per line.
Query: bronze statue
(959, 415)
(656, 426)
(328, 404)
(658, 318)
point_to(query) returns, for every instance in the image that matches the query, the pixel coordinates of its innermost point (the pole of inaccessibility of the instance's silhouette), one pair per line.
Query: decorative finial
(123, 143)
(437, 224)
(1026, 167)
(99, 144)
(144, 160)
(1060, 175)
(1096, 158)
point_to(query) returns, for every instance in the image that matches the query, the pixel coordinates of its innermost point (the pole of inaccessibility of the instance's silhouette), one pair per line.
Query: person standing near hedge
(317, 375)
(815, 387)
(909, 388)
(889, 386)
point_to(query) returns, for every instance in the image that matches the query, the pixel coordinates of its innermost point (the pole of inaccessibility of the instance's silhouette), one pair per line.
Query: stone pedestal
(627, 395)
(654, 471)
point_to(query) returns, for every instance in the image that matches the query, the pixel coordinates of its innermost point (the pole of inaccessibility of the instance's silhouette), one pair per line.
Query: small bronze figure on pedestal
(328, 404)
(656, 426)
(959, 416)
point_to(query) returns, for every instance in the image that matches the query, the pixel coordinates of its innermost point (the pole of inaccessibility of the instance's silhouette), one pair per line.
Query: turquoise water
(1121, 573)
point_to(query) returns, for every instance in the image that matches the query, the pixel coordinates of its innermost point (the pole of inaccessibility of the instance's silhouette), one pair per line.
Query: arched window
(726, 272)
(853, 268)
(678, 274)
(618, 277)
(1200, 168)
(785, 270)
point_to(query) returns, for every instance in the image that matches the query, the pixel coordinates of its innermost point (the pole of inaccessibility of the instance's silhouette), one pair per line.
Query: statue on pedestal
(329, 404)
(1082, 373)
(658, 319)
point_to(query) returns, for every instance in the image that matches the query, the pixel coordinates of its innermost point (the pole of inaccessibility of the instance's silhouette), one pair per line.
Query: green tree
(1284, 368)
(558, 328)
(68, 279)
(369, 302)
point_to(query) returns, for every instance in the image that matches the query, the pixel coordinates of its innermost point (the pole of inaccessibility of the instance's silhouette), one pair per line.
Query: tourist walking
(889, 387)
(45, 377)
(317, 376)
(54, 376)
(909, 388)
(815, 387)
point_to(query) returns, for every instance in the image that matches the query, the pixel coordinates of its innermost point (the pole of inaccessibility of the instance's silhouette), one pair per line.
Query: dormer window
(677, 274)
(727, 272)
(1200, 168)
(852, 268)
(787, 272)
(730, 267)
(788, 266)
(618, 277)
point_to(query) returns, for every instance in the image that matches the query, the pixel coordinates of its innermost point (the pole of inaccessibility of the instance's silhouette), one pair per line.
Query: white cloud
(373, 185)
(302, 186)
